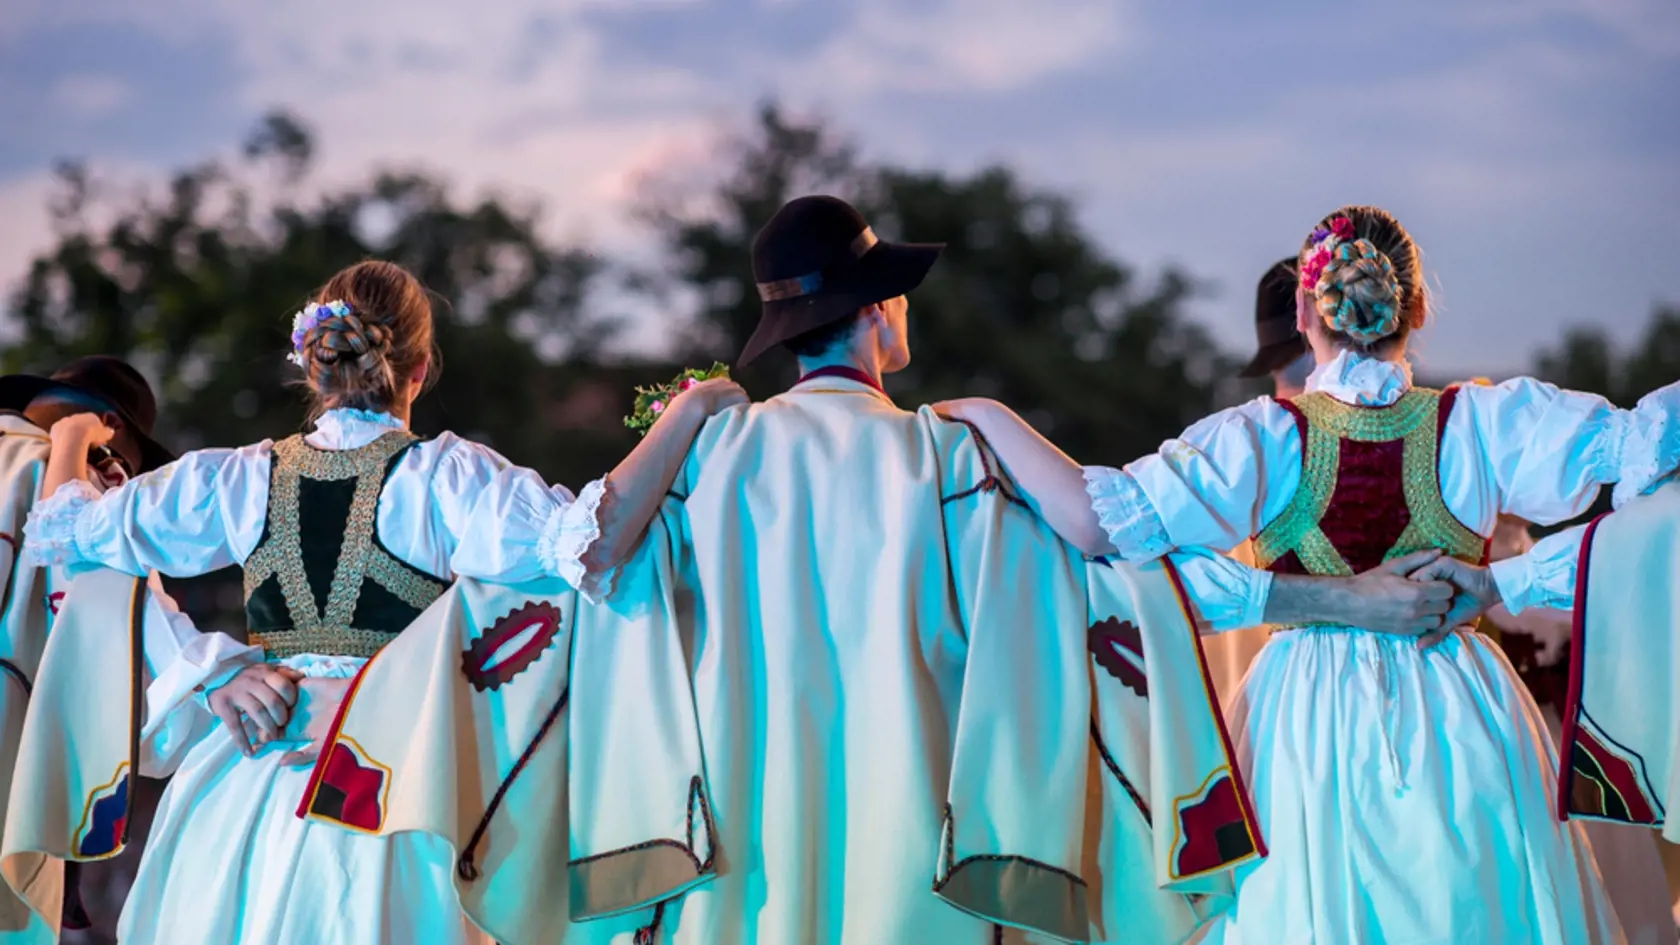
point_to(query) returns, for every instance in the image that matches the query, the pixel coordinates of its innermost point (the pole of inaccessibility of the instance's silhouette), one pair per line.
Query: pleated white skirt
(1407, 798)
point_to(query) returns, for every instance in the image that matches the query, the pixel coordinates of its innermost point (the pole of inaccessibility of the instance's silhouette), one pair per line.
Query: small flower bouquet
(652, 401)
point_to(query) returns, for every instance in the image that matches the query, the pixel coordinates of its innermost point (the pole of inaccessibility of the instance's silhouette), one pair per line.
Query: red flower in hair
(1313, 268)
(1342, 227)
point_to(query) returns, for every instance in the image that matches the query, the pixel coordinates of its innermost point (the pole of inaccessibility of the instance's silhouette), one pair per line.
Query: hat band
(812, 282)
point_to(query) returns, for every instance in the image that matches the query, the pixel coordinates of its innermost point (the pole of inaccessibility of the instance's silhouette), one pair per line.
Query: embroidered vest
(1370, 488)
(319, 581)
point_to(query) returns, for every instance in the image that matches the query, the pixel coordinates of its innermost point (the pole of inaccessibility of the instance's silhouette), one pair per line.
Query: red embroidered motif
(1212, 830)
(53, 600)
(1607, 783)
(1117, 646)
(485, 663)
(351, 791)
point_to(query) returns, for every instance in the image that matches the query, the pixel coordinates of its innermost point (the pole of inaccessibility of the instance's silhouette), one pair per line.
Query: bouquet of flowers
(652, 401)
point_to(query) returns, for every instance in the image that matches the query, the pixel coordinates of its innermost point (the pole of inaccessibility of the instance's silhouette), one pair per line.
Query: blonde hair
(1365, 278)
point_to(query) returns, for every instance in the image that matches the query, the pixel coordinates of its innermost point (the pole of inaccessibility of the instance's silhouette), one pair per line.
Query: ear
(1305, 314)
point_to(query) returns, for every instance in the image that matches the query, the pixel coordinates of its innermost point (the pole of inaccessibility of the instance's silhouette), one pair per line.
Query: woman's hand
(322, 699)
(711, 397)
(966, 409)
(262, 694)
(81, 431)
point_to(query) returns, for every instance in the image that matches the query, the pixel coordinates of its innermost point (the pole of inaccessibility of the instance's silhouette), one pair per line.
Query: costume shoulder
(968, 465)
(1621, 724)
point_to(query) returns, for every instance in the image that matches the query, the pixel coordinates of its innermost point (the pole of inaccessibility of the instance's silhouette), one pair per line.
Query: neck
(868, 367)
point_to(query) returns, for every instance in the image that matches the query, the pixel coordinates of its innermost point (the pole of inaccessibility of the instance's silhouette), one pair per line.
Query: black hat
(1274, 322)
(817, 262)
(111, 381)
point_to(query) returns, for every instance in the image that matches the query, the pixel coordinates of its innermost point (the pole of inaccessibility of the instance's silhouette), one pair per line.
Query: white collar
(347, 428)
(1365, 381)
(17, 423)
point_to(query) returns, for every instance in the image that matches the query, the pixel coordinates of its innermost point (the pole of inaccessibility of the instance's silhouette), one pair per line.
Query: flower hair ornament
(1335, 263)
(305, 321)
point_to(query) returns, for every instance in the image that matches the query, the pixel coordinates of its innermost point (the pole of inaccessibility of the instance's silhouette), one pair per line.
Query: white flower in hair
(303, 322)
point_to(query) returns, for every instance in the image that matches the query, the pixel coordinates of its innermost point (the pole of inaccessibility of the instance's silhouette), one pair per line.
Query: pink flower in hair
(1342, 228)
(690, 384)
(1314, 267)
(658, 407)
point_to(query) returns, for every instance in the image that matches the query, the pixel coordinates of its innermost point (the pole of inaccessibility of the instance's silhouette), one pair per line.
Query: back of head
(371, 330)
(1364, 276)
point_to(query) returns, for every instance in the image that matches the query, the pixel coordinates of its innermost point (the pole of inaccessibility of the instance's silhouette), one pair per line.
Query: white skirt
(229, 861)
(1406, 798)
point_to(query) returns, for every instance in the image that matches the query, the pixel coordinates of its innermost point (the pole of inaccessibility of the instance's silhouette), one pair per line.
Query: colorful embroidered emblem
(53, 601)
(352, 789)
(1117, 646)
(1209, 830)
(1608, 780)
(511, 645)
(104, 818)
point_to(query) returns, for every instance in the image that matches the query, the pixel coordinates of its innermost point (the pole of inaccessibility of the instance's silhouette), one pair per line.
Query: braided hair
(1364, 277)
(364, 357)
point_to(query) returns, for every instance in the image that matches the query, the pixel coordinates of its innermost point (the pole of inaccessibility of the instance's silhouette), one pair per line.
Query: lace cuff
(49, 534)
(568, 548)
(1651, 445)
(1126, 514)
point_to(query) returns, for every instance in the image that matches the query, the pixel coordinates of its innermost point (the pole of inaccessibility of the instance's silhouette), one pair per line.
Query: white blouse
(207, 511)
(1523, 448)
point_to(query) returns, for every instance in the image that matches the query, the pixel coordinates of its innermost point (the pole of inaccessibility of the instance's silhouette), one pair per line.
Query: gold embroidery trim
(1413, 419)
(327, 630)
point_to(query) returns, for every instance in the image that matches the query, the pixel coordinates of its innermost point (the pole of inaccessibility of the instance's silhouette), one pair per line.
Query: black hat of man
(1274, 322)
(817, 262)
(112, 382)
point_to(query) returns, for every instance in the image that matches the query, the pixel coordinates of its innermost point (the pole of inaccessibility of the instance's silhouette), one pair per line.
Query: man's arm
(1230, 595)
(1386, 598)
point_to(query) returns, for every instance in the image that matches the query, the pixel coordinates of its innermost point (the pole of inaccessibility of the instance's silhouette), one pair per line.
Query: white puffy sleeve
(200, 513)
(1544, 576)
(1651, 451)
(517, 528)
(1549, 450)
(1215, 486)
(1228, 594)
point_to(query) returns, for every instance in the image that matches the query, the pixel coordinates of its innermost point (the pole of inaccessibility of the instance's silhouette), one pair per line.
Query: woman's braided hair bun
(363, 357)
(1363, 274)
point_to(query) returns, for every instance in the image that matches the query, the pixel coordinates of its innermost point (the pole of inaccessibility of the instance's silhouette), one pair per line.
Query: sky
(1531, 146)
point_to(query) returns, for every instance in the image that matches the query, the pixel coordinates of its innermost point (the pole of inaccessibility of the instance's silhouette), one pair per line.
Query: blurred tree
(197, 287)
(1023, 305)
(1587, 360)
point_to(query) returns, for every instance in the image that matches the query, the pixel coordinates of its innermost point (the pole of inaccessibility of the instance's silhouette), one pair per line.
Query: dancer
(1403, 791)
(29, 406)
(902, 678)
(345, 535)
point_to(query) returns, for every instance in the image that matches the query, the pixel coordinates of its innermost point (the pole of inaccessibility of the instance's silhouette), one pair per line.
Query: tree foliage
(1023, 305)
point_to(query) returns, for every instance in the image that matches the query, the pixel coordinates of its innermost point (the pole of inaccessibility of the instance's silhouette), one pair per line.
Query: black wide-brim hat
(112, 382)
(817, 262)
(1274, 322)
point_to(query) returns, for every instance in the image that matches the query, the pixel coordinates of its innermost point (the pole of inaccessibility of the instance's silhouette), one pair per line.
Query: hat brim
(18, 391)
(1273, 358)
(887, 271)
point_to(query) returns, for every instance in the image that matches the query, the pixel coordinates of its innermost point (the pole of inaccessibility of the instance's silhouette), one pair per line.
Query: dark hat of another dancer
(111, 382)
(817, 262)
(1274, 322)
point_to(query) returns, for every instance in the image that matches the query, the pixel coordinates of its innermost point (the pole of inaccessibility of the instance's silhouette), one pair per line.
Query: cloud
(1512, 133)
(89, 96)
